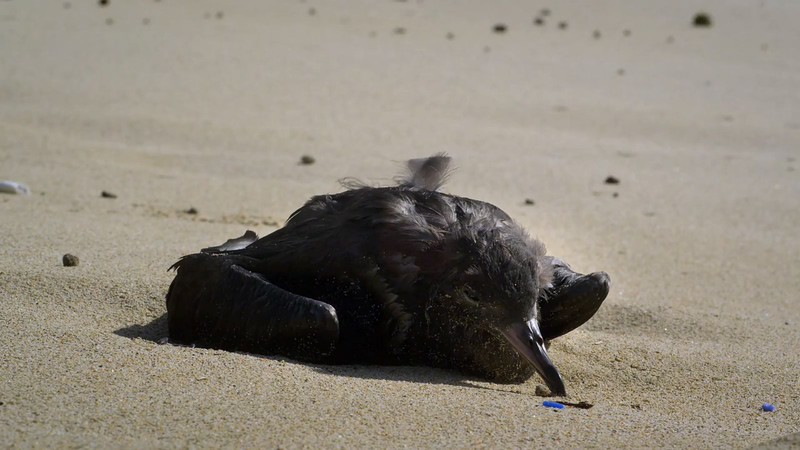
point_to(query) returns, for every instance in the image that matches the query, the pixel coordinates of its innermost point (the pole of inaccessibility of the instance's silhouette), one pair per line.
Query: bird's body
(390, 275)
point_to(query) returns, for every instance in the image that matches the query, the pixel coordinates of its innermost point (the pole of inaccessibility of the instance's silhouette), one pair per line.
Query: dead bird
(388, 275)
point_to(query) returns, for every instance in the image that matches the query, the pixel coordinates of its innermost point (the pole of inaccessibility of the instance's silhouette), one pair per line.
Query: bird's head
(496, 283)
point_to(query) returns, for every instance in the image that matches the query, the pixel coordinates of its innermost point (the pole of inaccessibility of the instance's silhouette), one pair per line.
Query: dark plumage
(388, 275)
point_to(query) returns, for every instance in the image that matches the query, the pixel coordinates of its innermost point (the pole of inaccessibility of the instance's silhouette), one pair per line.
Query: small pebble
(611, 179)
(399, 30)
(500, 28)
(701, 20)
(307, 160)
(768, 407)
(106, 194)
(538, 21)
(103, 2)
(312, 12)
(191, 210)
(541, 391)
(626, 33)
(219, 15)
(596, 34)
(550, 404)
(70, 260)
(450, 36)
(529, 201)
(562, 25)
(615, 194)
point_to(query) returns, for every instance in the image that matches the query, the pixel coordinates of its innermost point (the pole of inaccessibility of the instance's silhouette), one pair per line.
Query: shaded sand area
(172, 105)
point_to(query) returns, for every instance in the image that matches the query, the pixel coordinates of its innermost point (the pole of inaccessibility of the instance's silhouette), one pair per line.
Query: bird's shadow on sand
(156, 331)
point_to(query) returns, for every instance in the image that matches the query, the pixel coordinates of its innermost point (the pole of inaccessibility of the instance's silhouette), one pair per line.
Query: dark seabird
(388, 275)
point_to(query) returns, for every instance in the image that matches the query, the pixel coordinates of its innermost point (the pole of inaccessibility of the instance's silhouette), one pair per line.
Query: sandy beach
(175, 104)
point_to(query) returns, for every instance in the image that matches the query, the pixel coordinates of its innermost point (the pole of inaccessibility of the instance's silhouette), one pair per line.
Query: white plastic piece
(12, 187)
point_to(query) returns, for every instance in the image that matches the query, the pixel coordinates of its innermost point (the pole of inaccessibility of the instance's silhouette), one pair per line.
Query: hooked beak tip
(527, 341)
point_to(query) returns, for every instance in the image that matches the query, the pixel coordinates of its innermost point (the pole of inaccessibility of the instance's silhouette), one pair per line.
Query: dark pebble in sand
(307, 160)
(106, 194)
(399, 30)
(219, 15)
(191, 210)
(541, 391)
(450, 36)
(103, 2)
(615, 194)
(312, 12)
(500, 28)
(701, 20)
(596, 34)
(587, 405)
(626, 33)
(529, 201)
(562, 25)
(70, 260)
(538, 21)
(611, 179)
(620, 72)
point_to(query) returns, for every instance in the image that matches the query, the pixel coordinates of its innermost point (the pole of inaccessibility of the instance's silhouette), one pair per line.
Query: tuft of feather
(351, 183)
(427, 173)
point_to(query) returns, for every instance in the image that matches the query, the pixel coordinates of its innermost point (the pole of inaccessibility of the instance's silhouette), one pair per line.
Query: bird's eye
(471, 294)
(472, 271)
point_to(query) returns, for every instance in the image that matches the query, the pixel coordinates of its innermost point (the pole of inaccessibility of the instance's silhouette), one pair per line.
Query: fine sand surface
(178, 104)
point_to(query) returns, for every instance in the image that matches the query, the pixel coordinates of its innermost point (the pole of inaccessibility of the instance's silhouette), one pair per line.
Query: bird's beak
(527, 340)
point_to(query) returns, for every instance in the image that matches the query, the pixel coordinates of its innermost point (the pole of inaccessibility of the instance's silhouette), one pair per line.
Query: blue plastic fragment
(555, 405)
(768, 407)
